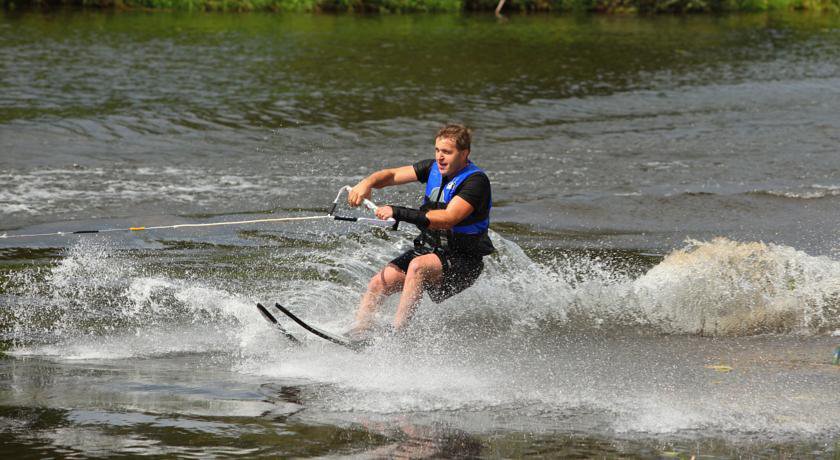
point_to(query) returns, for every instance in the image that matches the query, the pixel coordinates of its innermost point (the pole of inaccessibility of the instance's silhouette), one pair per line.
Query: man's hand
(384, 212)
(358, 193)
(379, 179)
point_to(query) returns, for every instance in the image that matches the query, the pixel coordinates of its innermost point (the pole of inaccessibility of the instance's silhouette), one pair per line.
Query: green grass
(399, 6)
(252, 5)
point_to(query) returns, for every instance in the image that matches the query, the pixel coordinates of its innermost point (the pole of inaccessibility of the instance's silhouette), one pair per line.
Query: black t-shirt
(475, 189)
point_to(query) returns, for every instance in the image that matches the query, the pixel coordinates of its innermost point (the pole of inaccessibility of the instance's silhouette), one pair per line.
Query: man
(453, 222)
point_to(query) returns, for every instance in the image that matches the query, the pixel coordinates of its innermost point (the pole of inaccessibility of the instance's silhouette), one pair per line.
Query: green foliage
(389, 6)
(399, 6)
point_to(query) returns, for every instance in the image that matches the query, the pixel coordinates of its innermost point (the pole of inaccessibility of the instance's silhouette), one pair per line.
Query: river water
(666, 195)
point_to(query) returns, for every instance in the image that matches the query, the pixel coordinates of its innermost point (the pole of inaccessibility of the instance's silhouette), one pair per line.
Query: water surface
(666, 195)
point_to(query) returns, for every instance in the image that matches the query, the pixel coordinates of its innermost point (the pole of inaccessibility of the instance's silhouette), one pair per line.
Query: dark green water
(666, 195)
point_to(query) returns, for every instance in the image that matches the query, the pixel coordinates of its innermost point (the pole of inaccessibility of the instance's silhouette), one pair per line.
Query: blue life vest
(434, 199)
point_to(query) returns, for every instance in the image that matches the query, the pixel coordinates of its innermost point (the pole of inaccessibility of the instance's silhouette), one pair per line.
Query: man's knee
(377, 283)
(423, 266)
(385, 282)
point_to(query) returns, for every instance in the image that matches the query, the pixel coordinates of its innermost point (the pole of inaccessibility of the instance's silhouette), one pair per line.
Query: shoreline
(617, 7)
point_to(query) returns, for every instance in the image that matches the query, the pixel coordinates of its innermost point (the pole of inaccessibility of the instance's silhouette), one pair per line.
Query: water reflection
(422, 441)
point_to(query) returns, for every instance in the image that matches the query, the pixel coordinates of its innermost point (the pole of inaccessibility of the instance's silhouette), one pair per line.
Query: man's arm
(379, 179)
(473, 196)
(439, 219)
(443, 219)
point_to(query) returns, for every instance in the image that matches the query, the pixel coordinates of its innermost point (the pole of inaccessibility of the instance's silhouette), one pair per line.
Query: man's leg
(425, 269)
(388, 281)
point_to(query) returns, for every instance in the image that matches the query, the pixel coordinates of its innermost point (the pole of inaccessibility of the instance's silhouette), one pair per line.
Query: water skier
(453, 221)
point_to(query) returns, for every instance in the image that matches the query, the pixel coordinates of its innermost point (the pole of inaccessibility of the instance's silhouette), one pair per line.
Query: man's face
(449, 159)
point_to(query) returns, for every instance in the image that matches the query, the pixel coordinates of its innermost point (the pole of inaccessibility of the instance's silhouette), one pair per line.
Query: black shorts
(459, 272)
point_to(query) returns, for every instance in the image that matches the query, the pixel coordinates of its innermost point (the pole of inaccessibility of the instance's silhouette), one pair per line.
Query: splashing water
(721, 287)
(727, 288)
(568, 344)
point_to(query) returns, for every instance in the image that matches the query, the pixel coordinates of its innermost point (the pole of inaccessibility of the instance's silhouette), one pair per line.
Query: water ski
(338, 340)
(271, 319)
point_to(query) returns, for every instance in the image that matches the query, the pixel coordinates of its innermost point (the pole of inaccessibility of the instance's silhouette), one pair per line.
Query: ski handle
(390, 223)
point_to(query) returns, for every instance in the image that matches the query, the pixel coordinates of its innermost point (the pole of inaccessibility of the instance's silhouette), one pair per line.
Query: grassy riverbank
(604, 6)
